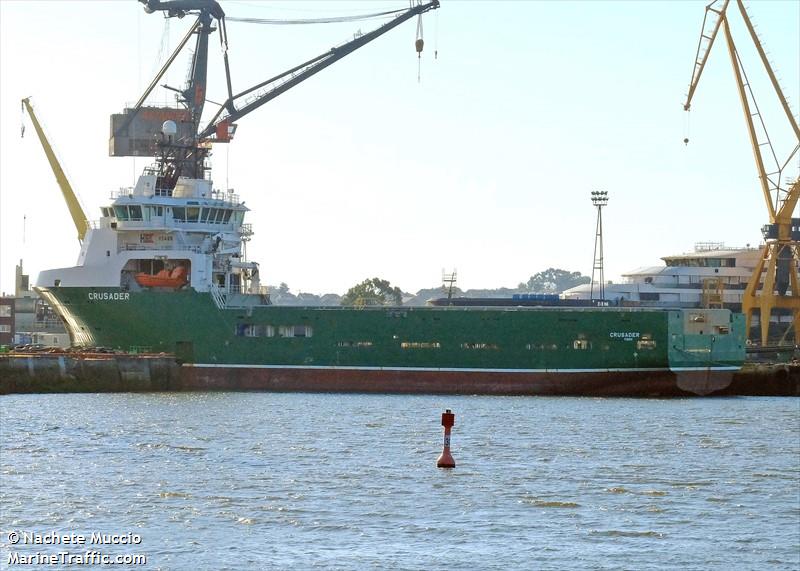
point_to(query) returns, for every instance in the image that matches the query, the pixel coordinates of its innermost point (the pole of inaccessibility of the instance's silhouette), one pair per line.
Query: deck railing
(171, 248)
(217, 295)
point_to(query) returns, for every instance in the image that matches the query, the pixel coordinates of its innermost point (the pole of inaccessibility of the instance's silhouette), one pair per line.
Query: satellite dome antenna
(169, 128)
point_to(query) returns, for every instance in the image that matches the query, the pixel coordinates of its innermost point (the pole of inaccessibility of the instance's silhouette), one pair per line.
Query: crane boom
(75, 209)
(186, 154)
(302, 72)
(701, 57)
(780, 201)
(776, 86)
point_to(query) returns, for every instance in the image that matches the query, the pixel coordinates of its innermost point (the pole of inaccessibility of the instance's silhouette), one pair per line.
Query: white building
(35, 322)
(712, 269)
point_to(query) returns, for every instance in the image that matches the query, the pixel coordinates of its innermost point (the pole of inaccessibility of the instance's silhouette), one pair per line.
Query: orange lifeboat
(164, 278)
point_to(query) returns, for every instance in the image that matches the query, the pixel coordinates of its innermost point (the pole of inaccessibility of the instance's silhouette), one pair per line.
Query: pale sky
(486, 165)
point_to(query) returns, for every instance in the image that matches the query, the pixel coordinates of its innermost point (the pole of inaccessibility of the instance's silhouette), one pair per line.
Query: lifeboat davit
(174, 279)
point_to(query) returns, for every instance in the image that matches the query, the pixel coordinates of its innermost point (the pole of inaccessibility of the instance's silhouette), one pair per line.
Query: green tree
(373, 291)
(554, 280)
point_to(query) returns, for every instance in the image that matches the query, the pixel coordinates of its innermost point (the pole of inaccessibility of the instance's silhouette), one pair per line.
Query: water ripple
(280, 481)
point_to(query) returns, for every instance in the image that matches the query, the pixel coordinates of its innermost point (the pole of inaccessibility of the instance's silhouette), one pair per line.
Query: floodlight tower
(599, 200)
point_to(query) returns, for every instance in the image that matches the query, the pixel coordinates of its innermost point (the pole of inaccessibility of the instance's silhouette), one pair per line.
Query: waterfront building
(713, 275)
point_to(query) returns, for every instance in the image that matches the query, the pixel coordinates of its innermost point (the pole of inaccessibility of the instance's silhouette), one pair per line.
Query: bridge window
(420, 345)
(263, 331)
(295, 331)
(121, 212)
(179, 213)
(254, 330)
(490, 346)
(192, 213)
(541, 347)
(581, 344)
(646, 343)
(359, 344)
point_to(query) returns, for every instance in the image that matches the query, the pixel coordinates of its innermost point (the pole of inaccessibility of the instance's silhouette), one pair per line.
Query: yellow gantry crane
(775, 282)
(75, 209)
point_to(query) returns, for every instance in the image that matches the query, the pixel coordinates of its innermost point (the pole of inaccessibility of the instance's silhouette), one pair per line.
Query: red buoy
(446, 459)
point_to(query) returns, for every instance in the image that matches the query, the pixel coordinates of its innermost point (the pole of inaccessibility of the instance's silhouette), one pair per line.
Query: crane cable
(419, 44)
(436, 37)
(687, 127)
(331, 20)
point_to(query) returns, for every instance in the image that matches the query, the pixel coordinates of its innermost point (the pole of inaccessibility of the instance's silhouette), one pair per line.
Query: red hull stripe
(601, 382)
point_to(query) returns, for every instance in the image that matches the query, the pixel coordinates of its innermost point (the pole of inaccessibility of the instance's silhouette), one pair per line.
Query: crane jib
(184, 153)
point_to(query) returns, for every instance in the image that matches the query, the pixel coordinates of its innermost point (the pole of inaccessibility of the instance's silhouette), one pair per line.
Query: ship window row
(645, 343)
(577, 345)
(203, 215)
(703, 262)
(134, 213)
(358, 344)
(541, 347)
(257, 330)
(692, 280)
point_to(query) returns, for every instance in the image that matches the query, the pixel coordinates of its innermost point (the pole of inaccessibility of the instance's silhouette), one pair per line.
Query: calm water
(284, 481)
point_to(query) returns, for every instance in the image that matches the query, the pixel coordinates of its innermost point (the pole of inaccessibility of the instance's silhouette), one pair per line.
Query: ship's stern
(706, 348)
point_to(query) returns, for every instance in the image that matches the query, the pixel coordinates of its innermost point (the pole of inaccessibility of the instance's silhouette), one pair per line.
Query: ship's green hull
(433, 349)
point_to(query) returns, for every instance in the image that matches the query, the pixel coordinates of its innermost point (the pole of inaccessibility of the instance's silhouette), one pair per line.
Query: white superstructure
(170, 236)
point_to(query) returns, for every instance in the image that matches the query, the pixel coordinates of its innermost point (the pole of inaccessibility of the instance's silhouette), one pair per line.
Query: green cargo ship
(472, 350)
(165, 267)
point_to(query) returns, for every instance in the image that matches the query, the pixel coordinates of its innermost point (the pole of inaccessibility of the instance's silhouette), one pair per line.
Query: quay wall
(765, 379)
(87, 373)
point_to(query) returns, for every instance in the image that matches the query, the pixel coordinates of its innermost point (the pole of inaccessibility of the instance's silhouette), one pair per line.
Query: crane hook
(419, 44)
